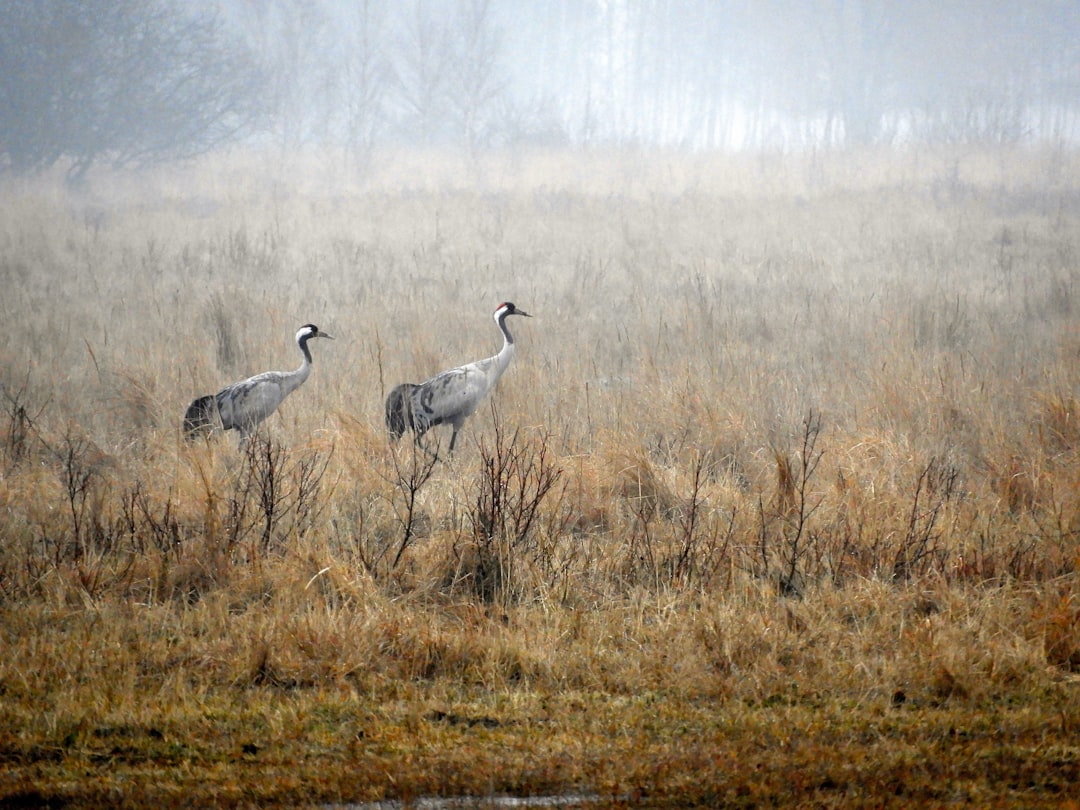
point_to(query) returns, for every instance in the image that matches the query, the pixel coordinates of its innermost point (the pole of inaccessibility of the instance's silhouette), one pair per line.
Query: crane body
(451, 396)
(244, 405)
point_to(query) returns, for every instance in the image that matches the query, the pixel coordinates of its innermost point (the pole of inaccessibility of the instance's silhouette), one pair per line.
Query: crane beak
(522, 312)
(325, 335)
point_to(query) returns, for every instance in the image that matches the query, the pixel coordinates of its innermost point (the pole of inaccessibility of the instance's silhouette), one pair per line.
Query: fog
(687, 73)
(698, 73)
(139, 81)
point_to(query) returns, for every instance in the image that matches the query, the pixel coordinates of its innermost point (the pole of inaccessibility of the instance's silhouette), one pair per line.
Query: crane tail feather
(200, 416)
(399, 411)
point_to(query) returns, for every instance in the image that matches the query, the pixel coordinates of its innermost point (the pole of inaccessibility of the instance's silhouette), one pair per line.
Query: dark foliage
(124, 82)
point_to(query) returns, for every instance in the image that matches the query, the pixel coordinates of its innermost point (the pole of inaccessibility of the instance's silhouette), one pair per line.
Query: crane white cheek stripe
(454, 395)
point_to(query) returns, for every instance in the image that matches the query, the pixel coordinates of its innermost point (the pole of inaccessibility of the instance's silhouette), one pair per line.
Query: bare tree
(424, 58)
(120, 81)
(293, 41)
(476, 84)
(366, 73)
(856, 54)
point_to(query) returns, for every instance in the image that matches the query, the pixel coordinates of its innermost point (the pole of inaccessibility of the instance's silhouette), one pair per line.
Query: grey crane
(244, 405)
(451, 396)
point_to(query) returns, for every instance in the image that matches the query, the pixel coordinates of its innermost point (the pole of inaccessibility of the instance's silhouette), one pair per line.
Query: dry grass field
(779, 503)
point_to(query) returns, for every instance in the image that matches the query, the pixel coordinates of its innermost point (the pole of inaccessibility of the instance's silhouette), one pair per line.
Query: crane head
(310, 330)
(507, 308)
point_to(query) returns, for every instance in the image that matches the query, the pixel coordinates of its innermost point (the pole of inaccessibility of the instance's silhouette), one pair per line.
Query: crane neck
(506, 353)
(302, 343)
(500, 321)
(298, 377)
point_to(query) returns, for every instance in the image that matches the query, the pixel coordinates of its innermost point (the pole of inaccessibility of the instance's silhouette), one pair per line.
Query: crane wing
(450, 396)
(248, 402)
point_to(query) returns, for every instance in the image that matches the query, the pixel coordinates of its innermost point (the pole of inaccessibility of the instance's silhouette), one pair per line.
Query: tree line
(133, 81)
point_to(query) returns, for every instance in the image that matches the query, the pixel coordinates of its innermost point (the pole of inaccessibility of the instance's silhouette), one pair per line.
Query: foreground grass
(778, 504)
(187, 707)
(653, 750)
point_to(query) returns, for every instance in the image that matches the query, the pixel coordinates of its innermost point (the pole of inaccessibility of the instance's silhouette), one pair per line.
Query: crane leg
(417, 436)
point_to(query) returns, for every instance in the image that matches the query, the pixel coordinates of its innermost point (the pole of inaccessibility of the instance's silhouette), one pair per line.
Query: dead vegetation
(779, 503)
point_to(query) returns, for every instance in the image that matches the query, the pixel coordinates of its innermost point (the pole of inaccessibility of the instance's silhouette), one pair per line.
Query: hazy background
(130, 82)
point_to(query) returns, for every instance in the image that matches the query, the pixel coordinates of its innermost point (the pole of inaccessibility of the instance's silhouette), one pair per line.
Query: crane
(451, 396)
(244, 405)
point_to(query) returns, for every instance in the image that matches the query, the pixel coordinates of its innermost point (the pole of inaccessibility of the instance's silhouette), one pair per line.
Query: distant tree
(294, 40)
(856, 49)
(365, 78)
(991, 72)
(421, 67)
(125, 82)
(476, 82)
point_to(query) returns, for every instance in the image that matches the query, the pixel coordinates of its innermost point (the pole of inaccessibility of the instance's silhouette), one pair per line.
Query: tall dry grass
(779, 428)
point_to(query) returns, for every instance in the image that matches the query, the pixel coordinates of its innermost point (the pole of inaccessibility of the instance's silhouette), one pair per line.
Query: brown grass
(778, 504)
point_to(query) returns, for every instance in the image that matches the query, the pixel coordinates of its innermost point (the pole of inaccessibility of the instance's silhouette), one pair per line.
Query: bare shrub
(408, 479)
(271, 498)
(785, 537)
(20, 424)
(704, 536)
(517, 474)
(284, 490)
(80, 474)
(936, 486)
